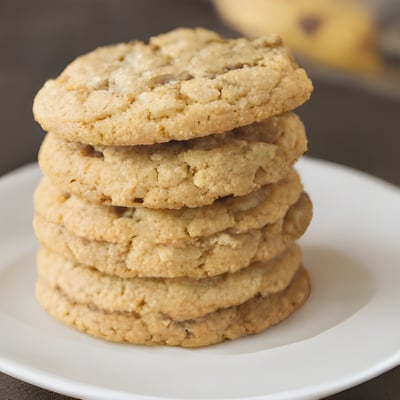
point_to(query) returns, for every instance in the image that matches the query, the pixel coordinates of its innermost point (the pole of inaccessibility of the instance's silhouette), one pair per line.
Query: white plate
(348, 331)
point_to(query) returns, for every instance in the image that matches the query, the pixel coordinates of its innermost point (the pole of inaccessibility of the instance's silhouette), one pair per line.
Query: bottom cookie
(251, 317)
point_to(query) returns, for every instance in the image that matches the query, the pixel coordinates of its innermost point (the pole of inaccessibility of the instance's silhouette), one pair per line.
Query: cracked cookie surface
(253, 316)
(196, 258)
(119, 224)
(183, 84)
(177, 174)
(177, 298)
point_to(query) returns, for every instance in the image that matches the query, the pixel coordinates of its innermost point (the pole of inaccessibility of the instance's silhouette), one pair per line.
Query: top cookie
(181, 85)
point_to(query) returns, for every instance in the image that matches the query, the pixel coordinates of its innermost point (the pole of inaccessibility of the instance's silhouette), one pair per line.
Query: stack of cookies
(170, 208)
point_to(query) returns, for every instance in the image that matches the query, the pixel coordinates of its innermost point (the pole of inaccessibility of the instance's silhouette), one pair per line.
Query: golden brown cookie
(195, 258)
(179, 298)
(183, 84)
(176, 174)
(253, 316)
(119, 224)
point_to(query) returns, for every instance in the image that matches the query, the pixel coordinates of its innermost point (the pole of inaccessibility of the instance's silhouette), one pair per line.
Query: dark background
(345, 124)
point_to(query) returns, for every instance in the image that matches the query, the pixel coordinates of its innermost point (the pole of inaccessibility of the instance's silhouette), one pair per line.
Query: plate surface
(346, 333)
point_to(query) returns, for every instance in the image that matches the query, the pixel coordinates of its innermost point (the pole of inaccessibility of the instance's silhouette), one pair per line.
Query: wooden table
(345, 125)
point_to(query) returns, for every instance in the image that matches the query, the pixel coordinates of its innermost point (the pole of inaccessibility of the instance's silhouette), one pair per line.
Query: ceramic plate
(346, 333)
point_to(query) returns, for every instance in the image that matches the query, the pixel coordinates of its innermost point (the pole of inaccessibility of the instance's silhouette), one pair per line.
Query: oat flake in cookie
(183, 84)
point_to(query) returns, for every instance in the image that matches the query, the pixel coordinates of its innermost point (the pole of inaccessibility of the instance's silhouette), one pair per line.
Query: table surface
(345, 124)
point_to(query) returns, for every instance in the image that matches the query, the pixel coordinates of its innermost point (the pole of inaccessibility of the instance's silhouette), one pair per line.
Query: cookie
(183, 84)
(253, 316)
(177, 174)
(179, 298)
(195, 258)
(116, 224)
(341, 34)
